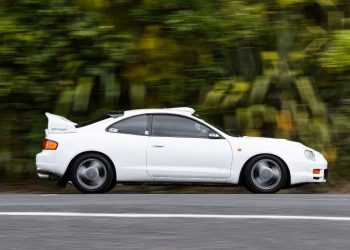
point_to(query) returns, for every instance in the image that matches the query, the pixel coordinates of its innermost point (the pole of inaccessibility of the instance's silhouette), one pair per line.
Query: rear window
(101, 118)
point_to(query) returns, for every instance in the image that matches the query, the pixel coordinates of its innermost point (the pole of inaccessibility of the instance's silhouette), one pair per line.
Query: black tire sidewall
(110, 176)
(249, 182)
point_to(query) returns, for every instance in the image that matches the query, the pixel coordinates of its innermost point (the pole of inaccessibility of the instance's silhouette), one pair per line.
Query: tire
(92, 173)
(265, 174)
(111, 187)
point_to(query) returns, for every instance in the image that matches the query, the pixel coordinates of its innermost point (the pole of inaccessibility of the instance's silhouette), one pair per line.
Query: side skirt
(151, 183)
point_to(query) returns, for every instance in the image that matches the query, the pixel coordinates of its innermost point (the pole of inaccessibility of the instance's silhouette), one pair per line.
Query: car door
(181, 147)
(127, 144)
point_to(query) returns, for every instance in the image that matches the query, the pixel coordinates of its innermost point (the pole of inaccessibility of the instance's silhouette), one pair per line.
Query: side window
(136, 125)
(177, 126)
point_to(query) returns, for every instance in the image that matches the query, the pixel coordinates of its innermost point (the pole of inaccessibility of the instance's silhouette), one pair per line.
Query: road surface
(174, 221)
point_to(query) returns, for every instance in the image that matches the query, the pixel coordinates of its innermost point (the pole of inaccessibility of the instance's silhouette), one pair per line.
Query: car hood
(269, 141)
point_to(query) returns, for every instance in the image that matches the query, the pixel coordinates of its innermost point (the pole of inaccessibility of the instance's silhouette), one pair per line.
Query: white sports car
(169, 146)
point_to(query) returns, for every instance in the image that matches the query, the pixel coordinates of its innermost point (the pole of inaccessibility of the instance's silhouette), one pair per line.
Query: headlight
(309, 155)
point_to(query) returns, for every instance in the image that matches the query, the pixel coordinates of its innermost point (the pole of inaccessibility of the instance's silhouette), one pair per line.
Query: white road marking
(189, 216)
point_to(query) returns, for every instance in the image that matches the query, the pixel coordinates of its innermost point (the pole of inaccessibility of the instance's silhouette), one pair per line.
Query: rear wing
(59, 125)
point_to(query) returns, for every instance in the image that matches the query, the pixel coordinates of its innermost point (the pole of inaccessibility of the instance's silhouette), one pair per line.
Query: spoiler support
(59, 125)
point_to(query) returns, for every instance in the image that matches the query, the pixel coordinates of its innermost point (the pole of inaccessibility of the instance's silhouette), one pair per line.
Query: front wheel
(265, 174)
(92, 173)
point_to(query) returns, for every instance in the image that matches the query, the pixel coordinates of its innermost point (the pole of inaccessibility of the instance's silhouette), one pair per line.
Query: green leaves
(51, 53)
(336, 57)
(219, 22)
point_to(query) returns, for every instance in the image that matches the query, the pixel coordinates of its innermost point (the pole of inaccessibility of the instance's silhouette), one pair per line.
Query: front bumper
(321, 164)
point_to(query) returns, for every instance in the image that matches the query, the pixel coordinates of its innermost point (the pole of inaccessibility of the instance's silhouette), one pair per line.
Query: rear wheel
(265, 174)
(92, 173)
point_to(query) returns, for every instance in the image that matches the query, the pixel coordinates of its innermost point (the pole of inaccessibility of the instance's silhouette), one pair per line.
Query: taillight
(49, 145)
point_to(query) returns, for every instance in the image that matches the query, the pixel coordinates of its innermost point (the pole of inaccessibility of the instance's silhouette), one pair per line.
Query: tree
(50, 50)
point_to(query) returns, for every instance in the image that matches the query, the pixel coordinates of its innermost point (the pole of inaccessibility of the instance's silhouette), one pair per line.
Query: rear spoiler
(59, 125)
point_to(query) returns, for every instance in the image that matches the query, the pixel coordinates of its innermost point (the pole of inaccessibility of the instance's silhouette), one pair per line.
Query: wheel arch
(67, 176)
(241, 174)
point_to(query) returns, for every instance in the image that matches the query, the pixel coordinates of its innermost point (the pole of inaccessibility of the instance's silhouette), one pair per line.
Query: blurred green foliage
(276, 68)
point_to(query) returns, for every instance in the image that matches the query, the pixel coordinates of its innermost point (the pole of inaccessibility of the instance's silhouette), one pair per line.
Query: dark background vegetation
(276, 68)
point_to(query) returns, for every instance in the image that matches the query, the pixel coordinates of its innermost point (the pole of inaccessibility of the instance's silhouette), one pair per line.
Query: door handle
(157, 146)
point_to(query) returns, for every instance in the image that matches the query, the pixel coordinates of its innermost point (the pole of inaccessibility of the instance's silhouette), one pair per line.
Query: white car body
(147, 158)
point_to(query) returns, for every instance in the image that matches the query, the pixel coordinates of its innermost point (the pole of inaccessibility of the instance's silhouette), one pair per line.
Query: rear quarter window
(136, 125)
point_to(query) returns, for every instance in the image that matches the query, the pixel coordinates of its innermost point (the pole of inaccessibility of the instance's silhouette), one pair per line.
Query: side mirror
(214, 136)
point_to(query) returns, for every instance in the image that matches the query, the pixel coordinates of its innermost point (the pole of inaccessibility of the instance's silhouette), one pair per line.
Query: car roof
(180, 110)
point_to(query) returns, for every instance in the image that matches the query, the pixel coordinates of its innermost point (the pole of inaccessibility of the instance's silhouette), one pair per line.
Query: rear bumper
(43, 176)
(45, 165)
(47, 176)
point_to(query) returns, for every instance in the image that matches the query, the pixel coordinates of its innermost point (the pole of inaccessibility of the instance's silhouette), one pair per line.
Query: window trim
(182, 116)
(148, 126)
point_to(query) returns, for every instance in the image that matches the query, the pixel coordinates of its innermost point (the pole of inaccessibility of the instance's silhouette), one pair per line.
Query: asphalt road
(168, 221)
